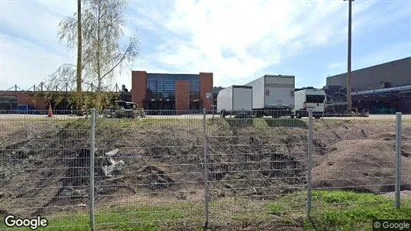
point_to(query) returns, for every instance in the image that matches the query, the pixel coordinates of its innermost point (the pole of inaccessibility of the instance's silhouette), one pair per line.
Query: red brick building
(10, 99)
(174, 92)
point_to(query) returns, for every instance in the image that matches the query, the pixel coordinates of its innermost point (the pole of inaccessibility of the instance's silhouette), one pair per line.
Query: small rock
(67, 192)
(112, 167)
(82, 205)
(108, 169)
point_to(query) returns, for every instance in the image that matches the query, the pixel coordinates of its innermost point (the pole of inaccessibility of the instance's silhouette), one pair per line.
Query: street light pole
(349, 76)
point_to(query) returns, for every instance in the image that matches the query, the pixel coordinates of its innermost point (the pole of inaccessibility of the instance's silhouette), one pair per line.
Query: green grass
(332, 210)
(136, 219)
(341, 210)
(286, 123)
(131, 218)
(261, 123)
(103, 124)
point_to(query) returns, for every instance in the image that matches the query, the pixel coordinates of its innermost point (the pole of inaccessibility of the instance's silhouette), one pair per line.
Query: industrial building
(381, 89)
(174, 92)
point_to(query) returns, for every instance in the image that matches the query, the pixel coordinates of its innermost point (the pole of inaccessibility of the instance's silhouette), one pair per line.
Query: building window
(163, 86)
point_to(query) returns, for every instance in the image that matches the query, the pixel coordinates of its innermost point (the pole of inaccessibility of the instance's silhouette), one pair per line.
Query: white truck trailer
(311, 98)
(273, 95)
(235, 100)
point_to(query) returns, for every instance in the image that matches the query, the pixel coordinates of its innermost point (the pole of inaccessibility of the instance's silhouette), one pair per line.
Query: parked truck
(310, 98)
(235, 100)
(273, 95)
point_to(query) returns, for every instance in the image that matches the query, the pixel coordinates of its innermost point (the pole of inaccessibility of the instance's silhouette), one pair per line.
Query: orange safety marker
(50, 114)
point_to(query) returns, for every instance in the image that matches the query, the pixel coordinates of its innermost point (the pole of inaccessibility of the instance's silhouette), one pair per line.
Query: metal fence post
(92, 149)
(309, 161)
(206, 190)
(398, 135)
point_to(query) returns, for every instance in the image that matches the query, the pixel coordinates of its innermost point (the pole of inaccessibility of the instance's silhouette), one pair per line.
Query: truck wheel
(298, 115)
(275, 114)
(317, 117)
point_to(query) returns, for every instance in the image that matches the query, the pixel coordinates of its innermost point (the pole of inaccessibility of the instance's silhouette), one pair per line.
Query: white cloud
(382, 55)
(257, 34)
(236, 40)
(25, 64)
(33, 20)
(30, 49)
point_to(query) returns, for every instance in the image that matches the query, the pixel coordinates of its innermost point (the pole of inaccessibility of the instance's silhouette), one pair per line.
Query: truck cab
(310, 99)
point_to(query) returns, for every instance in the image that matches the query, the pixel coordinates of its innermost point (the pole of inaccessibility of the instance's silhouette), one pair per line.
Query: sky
(236, 40)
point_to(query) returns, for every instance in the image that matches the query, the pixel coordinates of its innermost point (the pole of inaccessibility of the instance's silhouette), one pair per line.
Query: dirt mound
(406, 150)
(332, 132)
(34, 181)
(360, 165)
(406, 130)
(48, 167)
(405, 194)
(388, 136)
(154, 177)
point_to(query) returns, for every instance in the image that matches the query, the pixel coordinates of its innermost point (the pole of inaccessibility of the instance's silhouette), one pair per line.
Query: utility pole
(79, 90)
(349, 76)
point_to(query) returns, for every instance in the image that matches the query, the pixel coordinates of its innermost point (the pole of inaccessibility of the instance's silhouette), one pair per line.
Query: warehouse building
(174, 92)
(383, 88)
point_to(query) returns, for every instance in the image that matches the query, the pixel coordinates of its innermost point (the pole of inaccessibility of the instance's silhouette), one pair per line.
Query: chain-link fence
(175, 170)
(44, 167)
(252, 162)
(355, 169)
(150, 172)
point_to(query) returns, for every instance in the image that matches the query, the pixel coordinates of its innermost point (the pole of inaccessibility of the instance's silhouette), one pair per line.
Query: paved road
(63, 117)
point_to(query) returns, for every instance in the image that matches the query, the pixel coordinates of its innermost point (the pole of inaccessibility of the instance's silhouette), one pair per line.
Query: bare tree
(101, 28)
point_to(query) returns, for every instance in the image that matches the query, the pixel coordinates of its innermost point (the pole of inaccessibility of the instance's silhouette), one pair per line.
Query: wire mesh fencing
(252, 165)
(180, 170)
(44, 168)
(149, 172)
(355, 165)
